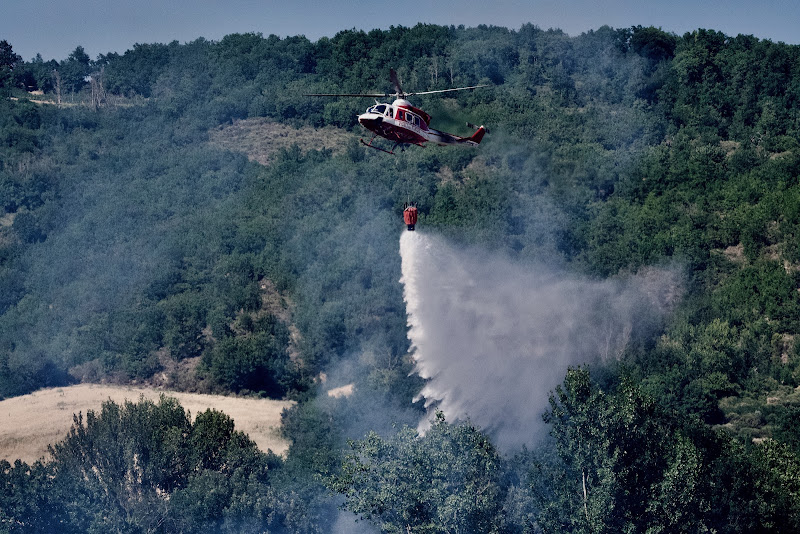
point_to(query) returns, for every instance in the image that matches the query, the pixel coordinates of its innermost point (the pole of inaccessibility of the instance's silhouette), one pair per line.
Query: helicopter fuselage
(405, 124)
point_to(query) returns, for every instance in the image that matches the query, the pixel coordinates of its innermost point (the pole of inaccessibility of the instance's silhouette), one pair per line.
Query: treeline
(618, 462)
(147, 467)
(131, 248)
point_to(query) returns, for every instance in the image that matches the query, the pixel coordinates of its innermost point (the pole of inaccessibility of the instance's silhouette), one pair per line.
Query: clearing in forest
(28, 424)
(262, 139)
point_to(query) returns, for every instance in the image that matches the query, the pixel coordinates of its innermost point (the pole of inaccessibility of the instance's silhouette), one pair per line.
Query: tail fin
(477, 136)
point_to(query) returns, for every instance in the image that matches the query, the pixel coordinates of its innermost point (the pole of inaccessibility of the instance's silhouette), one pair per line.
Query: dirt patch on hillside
(735, 253)
(341, 391)
(261, 139)
(7, 219)
(30, 423)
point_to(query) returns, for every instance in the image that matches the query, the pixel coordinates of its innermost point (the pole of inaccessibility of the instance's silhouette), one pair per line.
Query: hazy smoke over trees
(493, 337)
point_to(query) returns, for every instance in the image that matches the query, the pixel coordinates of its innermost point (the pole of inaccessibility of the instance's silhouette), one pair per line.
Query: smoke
(493, 338)
(349, 523)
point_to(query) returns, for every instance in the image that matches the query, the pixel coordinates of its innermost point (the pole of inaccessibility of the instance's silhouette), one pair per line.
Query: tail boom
(444, 138)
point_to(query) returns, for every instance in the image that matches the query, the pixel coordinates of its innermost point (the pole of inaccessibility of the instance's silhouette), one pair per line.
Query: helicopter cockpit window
(390, 111)
(380, 110)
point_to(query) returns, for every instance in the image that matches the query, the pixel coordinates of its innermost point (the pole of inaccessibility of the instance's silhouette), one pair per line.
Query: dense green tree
(75, 69)
(613, 449)
(143, 467)
(628, 466)
(9, 60)
(136, 71)
(778, 485)
(42, 73)
(448, 480)
(652, 43)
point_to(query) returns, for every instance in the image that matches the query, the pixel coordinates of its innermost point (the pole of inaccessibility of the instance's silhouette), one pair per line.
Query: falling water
(492, 337)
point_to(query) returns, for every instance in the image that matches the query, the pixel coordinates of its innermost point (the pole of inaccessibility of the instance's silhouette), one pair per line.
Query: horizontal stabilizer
(470, 125)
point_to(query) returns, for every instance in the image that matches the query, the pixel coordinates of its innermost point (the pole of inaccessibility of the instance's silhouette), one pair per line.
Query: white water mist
(493, 337)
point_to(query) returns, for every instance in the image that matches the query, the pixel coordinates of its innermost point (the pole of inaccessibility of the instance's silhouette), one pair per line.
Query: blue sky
(54, 29)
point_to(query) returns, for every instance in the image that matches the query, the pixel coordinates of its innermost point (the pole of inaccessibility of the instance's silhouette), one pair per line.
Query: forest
(133, 246)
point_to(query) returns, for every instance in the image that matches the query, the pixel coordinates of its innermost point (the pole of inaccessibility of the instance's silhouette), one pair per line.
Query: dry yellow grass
(30, 423)
(261, 139)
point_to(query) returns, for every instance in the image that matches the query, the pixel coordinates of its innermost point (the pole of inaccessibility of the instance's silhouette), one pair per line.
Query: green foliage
(255, 360)
(762, 291)
(145, 467)
(445, 481)
(9, 60)
(628, 466)
(127, 244)
(136, 71)
(74, 70)
(612, 449)
(779, 483)
(315, 438)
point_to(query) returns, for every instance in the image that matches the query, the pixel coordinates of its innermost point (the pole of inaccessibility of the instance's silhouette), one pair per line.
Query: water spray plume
(493, 337)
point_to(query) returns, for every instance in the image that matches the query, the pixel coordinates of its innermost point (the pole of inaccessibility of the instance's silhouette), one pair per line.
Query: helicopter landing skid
(370, 145)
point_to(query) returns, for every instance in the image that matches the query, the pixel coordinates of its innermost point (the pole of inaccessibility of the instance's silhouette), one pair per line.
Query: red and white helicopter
(405, 124)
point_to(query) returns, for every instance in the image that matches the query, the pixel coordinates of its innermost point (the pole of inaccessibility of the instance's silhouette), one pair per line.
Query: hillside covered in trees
(133, 248)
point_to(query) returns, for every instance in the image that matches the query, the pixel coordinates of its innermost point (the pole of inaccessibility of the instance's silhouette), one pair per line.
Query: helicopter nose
(369, 121)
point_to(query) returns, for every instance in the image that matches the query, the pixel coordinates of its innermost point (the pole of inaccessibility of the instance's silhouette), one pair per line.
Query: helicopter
(405, 124)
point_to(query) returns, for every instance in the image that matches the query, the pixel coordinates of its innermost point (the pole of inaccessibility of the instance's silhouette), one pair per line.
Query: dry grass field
(261, 139)
(30, 423)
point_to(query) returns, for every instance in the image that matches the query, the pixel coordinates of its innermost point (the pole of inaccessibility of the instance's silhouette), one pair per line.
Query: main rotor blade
(370, 95)
(447, 90)
(396, 82)
(399, 94)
